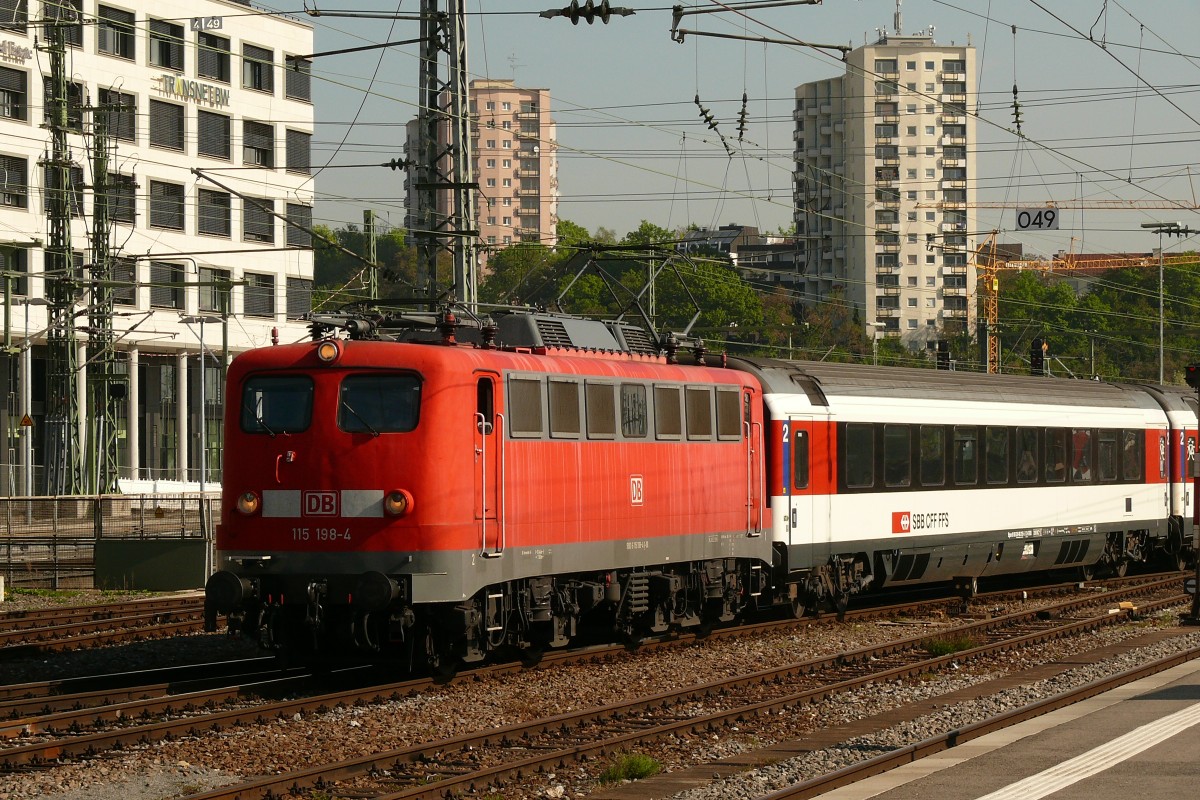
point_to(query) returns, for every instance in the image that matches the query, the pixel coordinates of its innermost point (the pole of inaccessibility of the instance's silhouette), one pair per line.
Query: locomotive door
(488, 437)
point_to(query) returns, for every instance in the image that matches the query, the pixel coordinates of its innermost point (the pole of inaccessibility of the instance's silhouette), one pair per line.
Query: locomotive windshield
(378, 404)
(277, 404)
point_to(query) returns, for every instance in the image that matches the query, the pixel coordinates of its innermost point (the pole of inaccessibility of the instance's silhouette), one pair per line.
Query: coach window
(1082, 457)
(277, 404)
(601, 410)
(525, 407)
(1056, 455)
(378, 404)
(668, 416)
(799, 459)
(860, 455)
(933, 455)
(698, 410)
(897, 458)
(1133, 454)
(966, 456)
(1027, 452)
(729, 414)
(1106, 455)
(996, 458)
(635, 411)
(564, 409)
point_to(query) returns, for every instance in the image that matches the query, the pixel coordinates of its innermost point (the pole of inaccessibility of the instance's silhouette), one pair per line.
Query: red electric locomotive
(446, 499)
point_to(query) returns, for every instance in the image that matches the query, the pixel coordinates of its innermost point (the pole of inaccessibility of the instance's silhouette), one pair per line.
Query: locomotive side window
(1106, 455)
(1082, 458)
(277, 404)
(1056, 455)
(933, 455)
(601, 407)
(966, 455)
(1027, 452)
(698, 408)
(525, 407)
(729, 415)
(897, 458)
(996, 458)
(1133, 454)
(800, 459)
(668, 416)
(378, 404)
(564, 409)
(860, 455)
(635, 411)
(485, 405)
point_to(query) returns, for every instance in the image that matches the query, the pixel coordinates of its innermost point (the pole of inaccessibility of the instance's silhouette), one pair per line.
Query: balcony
(813, 152)
(952, 227)
(954, 162)
(887, 269)
(885, 140)
(953, 141)
(952, 76)
(890, 161)
(886, 313)
(952, 118)
(956, 269)
(527, 192)
(956, 313)
(526, 134)
(888, 247)
(953, 183)
(954, 291)
(826, 130)
(528, 173)
(954, 97)
(888, 290)
(528, 114)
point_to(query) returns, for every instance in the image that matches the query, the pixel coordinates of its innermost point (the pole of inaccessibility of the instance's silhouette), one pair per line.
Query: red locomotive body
(401, 492)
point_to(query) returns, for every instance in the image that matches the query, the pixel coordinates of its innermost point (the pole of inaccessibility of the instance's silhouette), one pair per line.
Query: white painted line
(1099, 759)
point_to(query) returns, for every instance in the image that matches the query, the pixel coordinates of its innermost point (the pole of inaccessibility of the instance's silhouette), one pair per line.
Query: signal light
(328, 351)
(1037, 357)
(1193, 376)
(248, 503)
(398, 503)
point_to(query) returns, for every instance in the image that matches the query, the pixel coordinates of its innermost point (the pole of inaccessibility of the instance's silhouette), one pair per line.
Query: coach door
(807, 507)
(489, 466)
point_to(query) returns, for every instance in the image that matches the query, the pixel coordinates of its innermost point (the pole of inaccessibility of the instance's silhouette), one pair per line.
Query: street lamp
(875, 327)
(1171, 229)
(189, 321)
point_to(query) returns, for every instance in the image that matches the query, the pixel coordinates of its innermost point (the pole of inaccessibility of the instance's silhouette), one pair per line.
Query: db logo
(320, 504)
(636, 490)
(901, 521)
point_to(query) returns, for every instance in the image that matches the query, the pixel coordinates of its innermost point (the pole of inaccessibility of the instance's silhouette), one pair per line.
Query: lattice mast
(445, 172)
(106, 383)
(64, 455)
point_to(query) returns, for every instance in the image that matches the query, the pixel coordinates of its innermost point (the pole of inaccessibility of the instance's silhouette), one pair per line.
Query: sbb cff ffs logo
(901, 521)
(320, 504)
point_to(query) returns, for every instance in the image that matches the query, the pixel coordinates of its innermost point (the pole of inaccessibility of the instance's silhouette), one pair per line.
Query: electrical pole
(372, 272)
(106, 386)
(445, 174)
(64, 465)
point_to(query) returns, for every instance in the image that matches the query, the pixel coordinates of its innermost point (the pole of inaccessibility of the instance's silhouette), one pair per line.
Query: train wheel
(1087, 573)
(799, 607)
(439, 656)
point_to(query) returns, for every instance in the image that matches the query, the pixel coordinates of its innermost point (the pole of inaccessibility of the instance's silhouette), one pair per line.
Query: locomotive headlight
(248, 503)
(328, 351)
(398, 503)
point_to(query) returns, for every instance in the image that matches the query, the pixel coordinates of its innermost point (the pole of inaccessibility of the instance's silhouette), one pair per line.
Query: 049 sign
(1037, 219)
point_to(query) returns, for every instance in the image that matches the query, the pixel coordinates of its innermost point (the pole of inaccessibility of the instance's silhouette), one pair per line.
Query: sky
(1108, 92)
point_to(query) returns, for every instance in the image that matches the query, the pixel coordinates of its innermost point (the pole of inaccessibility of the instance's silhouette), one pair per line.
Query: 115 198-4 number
(320, 534)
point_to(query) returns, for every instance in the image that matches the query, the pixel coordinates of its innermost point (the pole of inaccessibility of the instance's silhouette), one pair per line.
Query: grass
(53, 594)
(944, 647)
(630, 767)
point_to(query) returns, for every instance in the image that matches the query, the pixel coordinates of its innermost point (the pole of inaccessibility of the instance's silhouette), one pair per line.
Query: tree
(648, 234)
(570, 234)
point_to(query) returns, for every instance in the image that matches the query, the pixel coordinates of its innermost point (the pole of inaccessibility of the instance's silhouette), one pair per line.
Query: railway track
(26, 633)
(495, 755)
(99, 704)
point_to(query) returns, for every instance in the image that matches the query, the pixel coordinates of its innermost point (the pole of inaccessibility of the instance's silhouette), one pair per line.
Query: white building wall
(155, 329)
(894, 138)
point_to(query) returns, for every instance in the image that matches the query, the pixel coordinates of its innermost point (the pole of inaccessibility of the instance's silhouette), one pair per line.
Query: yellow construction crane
(987, 267)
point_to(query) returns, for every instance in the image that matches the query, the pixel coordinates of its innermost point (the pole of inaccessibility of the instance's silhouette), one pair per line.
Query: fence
(49, 542)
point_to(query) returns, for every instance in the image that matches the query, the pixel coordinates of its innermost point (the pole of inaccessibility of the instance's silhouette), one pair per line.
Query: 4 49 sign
(1037, 219)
